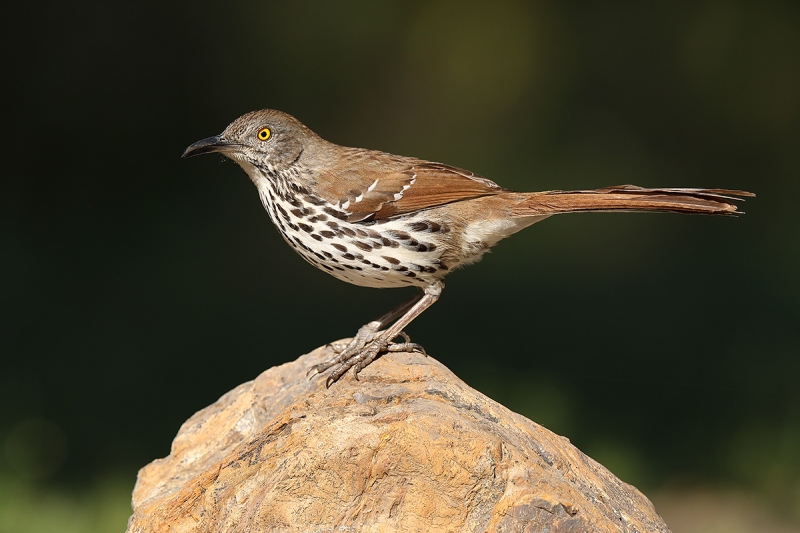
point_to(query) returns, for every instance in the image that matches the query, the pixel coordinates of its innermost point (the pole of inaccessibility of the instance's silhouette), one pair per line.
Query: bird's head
(268, 140)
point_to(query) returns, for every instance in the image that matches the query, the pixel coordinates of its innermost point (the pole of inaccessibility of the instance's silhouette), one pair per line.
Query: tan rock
(409, 447)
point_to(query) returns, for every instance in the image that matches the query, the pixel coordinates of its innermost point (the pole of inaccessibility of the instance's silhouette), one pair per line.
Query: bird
(380, 220)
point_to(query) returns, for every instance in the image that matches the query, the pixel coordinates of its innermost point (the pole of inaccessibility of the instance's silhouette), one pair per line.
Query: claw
(406, 347)
(365, 347)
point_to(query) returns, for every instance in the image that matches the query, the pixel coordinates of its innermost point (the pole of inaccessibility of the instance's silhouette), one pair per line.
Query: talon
(362, 350)
(406, 347)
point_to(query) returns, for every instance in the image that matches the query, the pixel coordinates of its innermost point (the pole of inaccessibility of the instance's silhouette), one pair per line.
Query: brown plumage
(382, 220)
(630, 198)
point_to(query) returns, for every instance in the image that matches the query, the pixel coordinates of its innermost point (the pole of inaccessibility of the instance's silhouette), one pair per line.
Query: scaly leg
(369, 342)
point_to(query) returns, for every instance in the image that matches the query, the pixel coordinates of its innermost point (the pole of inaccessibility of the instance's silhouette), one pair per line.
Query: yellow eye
(264, 134)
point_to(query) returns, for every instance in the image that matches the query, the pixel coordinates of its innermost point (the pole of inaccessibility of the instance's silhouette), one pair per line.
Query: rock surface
(409, 447)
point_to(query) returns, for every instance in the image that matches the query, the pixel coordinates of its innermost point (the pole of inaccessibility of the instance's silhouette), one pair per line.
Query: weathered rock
(409, 447)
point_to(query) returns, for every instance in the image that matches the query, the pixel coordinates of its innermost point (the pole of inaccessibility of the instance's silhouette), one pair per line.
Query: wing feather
(374, 185)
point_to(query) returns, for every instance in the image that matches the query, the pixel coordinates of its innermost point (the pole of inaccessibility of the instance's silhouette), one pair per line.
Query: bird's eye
(263, 134)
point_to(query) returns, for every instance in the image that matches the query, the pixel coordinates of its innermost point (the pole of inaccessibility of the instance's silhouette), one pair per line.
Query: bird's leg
(370, 341)
(365, 335)
(368, 331)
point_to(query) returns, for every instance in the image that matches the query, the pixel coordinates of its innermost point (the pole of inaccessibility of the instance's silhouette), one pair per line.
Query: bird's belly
(385, 254)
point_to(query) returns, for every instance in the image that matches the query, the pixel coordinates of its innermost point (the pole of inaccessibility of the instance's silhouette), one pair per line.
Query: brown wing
(374, 185)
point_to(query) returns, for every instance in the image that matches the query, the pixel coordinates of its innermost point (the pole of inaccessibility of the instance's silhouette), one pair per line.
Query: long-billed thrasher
(381, 220)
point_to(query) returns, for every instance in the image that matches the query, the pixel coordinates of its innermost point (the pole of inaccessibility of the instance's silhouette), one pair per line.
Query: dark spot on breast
(340, 247)
(364, 246)
(333, 225)
(284, 214)
(349, 256)
(431, 247)
(410, 274)
(294, 201)
(422, 248)
(430, 270)
(305, 227)
(293, 226)
(327, 267)
(299, 212)
(348, 232)
(416, 267)
(327, 234)
(418, 226)
(316, 237)
(402, 235)
(328, 254)
(389, 242)
(366, 261)
(319, 255)
(400, 268)
(318, 218)
(384, 268)
(351, 267)
(314, 200)
(335, 214)
(362, 233)
(392, 260)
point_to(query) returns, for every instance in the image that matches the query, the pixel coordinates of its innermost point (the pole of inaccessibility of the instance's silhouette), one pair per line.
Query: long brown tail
(629, 198)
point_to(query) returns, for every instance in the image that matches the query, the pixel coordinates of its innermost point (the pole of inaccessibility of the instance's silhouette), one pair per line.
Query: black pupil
(263, 134)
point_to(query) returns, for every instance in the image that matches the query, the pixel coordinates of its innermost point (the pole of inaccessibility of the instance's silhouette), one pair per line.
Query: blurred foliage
(26, 508)
(138, 288)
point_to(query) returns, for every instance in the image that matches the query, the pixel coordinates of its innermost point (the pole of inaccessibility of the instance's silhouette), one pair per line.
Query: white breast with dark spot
(392, 253)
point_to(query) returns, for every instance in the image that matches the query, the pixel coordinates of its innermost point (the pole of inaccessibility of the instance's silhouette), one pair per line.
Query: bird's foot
(365, 347)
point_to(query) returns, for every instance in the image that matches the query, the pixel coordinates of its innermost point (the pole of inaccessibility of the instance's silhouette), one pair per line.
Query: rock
(409, 447)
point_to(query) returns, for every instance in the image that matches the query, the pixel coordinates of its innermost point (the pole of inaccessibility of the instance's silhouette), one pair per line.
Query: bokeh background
(138, 287)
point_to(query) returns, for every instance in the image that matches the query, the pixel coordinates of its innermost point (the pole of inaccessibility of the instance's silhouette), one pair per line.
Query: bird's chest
(392, 253)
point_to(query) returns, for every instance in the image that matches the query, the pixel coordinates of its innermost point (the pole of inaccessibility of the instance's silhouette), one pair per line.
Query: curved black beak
(208, 145)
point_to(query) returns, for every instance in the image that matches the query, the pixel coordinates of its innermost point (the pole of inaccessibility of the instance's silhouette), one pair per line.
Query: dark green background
(138, 287)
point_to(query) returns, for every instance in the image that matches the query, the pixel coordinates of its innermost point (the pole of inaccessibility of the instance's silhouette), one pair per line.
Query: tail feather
(630, 198)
